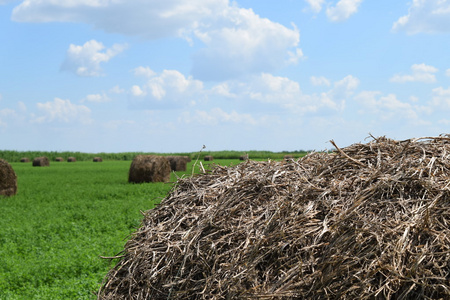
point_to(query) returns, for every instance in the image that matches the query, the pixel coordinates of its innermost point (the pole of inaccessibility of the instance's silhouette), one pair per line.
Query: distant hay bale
(288, 157)
(41, 161)
(97, 159)
(177, 163)
(8, 179)
(243, 157)
(71, 159)
(369, 221)
(24, 159)
(149, 168)
(208, 158)
(59, 159)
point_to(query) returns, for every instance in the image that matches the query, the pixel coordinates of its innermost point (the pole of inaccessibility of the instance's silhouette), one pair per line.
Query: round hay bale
(370, 221)
(208, 158)
(71, 159)
(188, 158)
(243, 157)
(149, 168)
(177, 163)
(59, 159)
(24, 159)
(97, 159)
(41, 161)
(288, 157)
(8, 179)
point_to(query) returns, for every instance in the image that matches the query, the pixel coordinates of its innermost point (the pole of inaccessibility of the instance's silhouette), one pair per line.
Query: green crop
(63, 218)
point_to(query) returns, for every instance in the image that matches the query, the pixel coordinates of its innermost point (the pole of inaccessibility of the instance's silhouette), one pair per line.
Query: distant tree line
(16, 156)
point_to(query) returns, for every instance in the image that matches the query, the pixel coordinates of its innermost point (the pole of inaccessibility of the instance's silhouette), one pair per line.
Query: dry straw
(24, 159)
(97, 159)
(42, 161)
(59, 159)
(369, 221)
(8, 179)
(71, 159)
(149, 168)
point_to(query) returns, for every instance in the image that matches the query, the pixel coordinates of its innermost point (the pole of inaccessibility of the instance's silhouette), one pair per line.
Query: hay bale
(188, 158)
(243, 157)
(177, 163)
(370, 221)
(208, 158)
(24, 159)
(8, 179)
(41, 161)
(149, 168)
(59, 159)
(97, 159)
(288, 157)
(71, 159)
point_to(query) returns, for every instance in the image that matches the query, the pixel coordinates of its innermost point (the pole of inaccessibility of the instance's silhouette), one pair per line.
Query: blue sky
(171, 76)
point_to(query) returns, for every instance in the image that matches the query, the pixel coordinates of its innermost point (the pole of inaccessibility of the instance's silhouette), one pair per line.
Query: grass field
(63, 218)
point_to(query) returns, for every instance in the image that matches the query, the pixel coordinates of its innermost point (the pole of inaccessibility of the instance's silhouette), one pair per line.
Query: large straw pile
(42, 161)
(178, 163)
(370, 221)
(149, 168)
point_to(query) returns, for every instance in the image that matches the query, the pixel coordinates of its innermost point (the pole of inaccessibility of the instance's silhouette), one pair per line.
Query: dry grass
(59, 159)
(8, 179)
(71, 159)
(370, 221)
(97, 159)
(208, 158)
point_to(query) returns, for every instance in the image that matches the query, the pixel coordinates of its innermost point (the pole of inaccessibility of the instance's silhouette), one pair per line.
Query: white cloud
(241, 43)
(318, 81)
(165, 89)
(389, 107)
(425, 16)
(117, 90)
(441, 98)
(216, 116)
(5, 114)
(146, 18)
(62, 111)
(420, 73)
(97, 98)
(144, 71)
(283, 93)
(341, 91)
(316, 5)
(137, 91)
(22, 106)
(236, 40)
(343, 10)
(85, 60)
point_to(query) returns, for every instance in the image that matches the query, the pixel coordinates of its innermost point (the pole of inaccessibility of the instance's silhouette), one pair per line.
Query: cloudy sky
(171, 76)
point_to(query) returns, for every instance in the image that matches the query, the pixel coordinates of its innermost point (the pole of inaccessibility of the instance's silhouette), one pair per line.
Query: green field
(63, 218)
